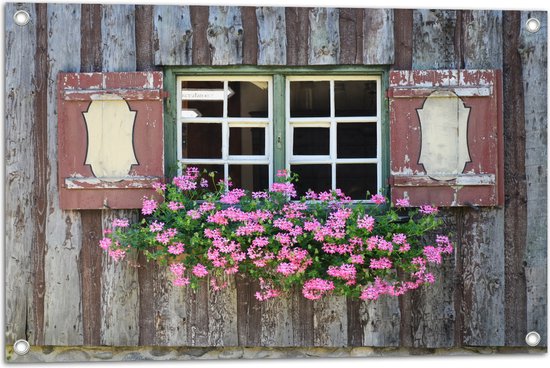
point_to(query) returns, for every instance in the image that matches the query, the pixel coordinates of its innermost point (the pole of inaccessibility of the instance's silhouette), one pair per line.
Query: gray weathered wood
(222, 316)
(118, 37)
(324, 36)
(271, 35)
(482, 34)
(225, 35)
(173, 35)
(277, 322)
(62, 300)
(434, 39)
(351, 35)
(171, 314)
(533, 52)
(380, 320)
(197, 316)
(20, 42)
(120, 293)
(378, 40)
(330, 321)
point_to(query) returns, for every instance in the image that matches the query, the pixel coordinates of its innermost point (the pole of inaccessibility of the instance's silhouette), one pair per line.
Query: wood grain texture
(533, 52)
(199, 21)
(63, 314)
(225, 35)
(378, 39)
(302, 319)
(351, 36)
(355, 325)
(250, 35)
(222, 316)
(272, 42)
(434, 39)
(144, 34)
(330, 322)
(380, 321)
(90, 46)
(324, 36)
(20, 42)
(170, 315)
(297, 35)
(120, 284)
(403, 38)
(482, 39)
(173, 35)
(197, 309)
(276, 326)
(249, 312)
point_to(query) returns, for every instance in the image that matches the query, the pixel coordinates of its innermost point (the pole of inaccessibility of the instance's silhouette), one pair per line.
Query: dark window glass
(311, 141)
(201, 140)
(356, 179)
(355, 98)
(247, 141)
(315, 177)
(195, 106)
(356, 140)
(249, 99)
(250, 177)
(308, 99)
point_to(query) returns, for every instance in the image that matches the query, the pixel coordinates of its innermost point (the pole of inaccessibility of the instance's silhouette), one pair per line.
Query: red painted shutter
(110, 138)
(446, 137)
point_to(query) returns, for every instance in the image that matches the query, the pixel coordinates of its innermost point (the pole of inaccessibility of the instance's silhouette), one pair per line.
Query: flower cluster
(321, 242)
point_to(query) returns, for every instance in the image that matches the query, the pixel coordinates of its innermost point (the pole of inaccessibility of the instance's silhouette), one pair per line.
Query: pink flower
(174, 206)
(149, 206)
(314, 289)
(159, 187)
(177, 269)
(204, 183)
(156, 226)
(433, 255)
(378, 199)
(180, 281)
(380, 264)
(400, 203)
(199, 270)
(366, 222)
(428, 210)
(233, 196)
(177, 248)
(357, 258)
(282, 173)
(117, 254)
(345, 271)
(194, 214)
(105, 243)
(399, 238)
(285, 188)
(120, 222)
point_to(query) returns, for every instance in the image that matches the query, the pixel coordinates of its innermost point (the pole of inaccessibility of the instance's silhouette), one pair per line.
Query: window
(326, 128)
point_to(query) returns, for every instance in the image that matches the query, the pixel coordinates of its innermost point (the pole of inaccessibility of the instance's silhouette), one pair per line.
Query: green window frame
(279, 77)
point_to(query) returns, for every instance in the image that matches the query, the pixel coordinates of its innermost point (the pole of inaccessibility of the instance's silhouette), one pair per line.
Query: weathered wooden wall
(66, 292)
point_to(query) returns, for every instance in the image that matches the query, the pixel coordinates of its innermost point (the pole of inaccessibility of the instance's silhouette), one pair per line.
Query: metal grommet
(532, 25)
(532, 338)
(21, 347)
(21, 17)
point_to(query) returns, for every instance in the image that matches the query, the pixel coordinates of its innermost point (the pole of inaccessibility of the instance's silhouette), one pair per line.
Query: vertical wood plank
(355, 323)
(63, 312)
(173, 38)
(330, 321)
(197, 316)
(222, 316)
(533, 51)
(144, 34)
(351, 36)
(434, 39)
(20, 42)
(248, 312)
(378, 40)
(40, 200)
(120, 285)
(276, 326)
(200, 48)
(324, 36)
(170, 315)
(482, 254)
(380, 321)
(272, 41)
(297, 35)
(302, 319)
(403, 38)
(91, 255)
(225, 35)
(250, 35)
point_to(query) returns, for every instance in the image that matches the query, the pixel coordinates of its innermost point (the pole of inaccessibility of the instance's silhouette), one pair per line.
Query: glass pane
(249, 177)
(308, 98)
(356, 179)
(355, 98)
(218, 174)
(201, 140)
(202, 98)
(356, 140)
(249, 99)
(247, 141)
(314, 177)
(311, 141)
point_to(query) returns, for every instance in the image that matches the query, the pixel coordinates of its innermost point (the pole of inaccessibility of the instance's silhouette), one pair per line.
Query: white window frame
(330, 122)
(227, 123)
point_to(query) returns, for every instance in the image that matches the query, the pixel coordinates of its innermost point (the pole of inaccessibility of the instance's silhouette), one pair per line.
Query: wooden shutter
(446, 137)
(110, 138)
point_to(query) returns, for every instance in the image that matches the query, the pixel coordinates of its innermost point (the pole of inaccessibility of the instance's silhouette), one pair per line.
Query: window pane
(202, 98)
(311, 141)
(356, 179)
(308, 98)
(249, 99)
(201, 140)
(218, 174)
(315, 177)
(356, 140)
(247, 141)
(249, 177)
(355, 98)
